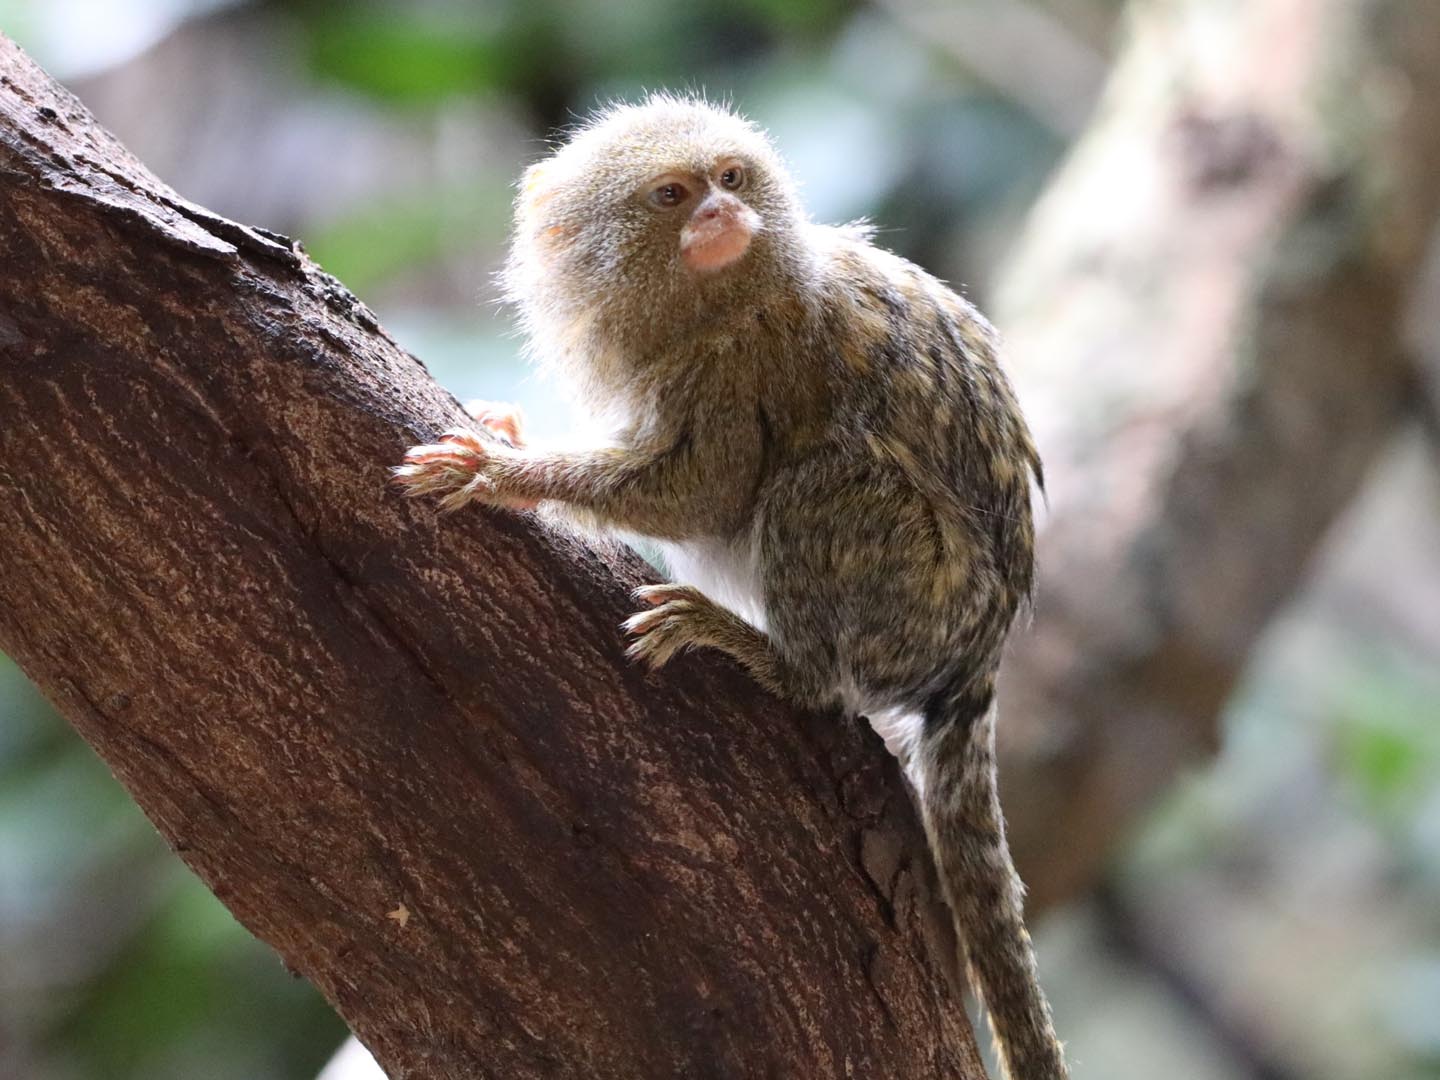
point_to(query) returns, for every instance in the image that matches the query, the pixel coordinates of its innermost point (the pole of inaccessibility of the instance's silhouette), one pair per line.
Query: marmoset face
(659, 196)
(716, 223)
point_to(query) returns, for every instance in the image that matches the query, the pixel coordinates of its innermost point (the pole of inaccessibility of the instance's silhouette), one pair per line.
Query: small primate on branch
(821, 438)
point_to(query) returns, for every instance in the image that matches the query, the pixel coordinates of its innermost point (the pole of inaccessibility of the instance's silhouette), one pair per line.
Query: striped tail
(960, 806)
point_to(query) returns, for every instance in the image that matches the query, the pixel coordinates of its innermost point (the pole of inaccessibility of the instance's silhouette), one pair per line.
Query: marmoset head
(650, 215)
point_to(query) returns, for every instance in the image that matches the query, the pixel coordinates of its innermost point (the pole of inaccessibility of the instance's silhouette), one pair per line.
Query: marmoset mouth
(717, 241)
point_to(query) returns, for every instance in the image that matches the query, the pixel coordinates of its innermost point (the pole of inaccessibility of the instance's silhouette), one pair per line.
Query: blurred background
(1274, 913)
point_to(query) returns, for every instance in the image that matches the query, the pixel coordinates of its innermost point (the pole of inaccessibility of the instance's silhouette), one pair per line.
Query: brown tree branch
(412, 759)
(1206, 325)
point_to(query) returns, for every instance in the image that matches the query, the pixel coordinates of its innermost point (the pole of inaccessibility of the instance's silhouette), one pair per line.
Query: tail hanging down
(960, 805)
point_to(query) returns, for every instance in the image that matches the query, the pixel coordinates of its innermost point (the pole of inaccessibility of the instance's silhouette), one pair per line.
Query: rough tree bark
(411, 758)
(1206, 324)
(414, 760)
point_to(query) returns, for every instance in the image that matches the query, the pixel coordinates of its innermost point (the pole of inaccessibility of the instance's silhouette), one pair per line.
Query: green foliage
(1387, 737)
(797, 16)
(418, 58)
(546, 48)
(190, 969)
(384, 239)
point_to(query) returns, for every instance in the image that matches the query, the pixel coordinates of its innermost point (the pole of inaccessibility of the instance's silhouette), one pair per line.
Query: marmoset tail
(819, 435)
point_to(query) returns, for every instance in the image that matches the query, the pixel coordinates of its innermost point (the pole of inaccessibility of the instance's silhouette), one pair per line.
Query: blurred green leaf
(390, 236)
(1384, 761)
(809, 16)
(1387, 736)
(193, 986)
(405, 59)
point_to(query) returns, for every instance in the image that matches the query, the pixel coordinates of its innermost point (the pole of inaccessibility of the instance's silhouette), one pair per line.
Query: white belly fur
(729, 573)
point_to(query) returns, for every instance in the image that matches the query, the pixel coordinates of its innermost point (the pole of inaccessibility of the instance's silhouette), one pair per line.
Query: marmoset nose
(715, 206)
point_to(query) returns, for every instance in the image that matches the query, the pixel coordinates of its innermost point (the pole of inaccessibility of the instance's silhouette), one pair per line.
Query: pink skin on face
(717, 233)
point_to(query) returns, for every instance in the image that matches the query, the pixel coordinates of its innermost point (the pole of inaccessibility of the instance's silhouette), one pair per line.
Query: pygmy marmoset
(819, 436)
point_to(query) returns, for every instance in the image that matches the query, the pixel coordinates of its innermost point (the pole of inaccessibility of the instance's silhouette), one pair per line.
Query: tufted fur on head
(595, 269)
